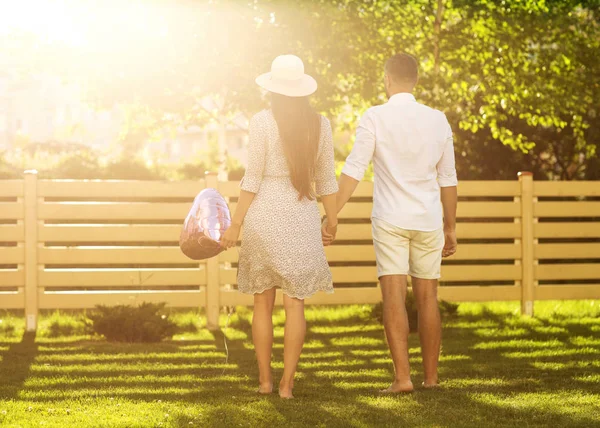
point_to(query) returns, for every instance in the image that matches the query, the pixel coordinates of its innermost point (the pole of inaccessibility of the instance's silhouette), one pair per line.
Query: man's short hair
(402, 69)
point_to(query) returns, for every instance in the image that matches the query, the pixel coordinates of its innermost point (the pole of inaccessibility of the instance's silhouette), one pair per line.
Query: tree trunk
(437, 29)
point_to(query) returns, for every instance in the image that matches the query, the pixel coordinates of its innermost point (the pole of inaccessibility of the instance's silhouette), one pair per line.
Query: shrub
(446, 309)
(64, 324)
(123, 323)
(10, 325)
(80, 164)
(187, 322)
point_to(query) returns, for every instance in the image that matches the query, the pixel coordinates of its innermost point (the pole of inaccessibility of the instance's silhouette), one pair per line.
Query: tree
(518, 79)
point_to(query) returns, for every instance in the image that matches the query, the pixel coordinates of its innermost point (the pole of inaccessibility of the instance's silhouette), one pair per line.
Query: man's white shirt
(412, 150)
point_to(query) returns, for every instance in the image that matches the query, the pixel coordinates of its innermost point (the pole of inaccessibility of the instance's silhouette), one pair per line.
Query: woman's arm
(231, 236)
(326, 184)
(257, 152)
(330, 205)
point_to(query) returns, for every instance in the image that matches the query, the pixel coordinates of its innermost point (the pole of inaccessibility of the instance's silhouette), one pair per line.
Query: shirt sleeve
(256, 157)
(325, 180)
(446, 168)
(363, 150)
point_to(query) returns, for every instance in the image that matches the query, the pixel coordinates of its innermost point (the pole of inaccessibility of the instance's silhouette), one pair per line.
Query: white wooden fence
(76, 244)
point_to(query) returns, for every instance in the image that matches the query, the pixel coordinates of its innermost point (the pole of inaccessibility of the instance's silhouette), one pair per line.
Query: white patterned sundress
(282, 244)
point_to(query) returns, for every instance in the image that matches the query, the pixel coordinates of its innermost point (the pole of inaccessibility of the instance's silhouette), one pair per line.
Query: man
(414, 210)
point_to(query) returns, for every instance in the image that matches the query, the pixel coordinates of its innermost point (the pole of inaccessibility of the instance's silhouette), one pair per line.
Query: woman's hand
(328, 233)
(231, 236)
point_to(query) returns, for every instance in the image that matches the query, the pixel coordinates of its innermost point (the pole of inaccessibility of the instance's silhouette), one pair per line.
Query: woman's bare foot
(398, 387)
(285, 391)
(265, 388)
(286, 394)
(431, 385)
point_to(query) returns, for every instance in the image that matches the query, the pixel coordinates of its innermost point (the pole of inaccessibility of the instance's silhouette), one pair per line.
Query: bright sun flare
(81, 23)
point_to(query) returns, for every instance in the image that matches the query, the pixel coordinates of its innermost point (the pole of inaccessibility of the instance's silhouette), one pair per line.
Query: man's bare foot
(265, 388)
(431, 385)
(398, 387)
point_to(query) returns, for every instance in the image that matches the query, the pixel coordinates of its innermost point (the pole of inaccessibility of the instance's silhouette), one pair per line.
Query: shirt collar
(402, 98)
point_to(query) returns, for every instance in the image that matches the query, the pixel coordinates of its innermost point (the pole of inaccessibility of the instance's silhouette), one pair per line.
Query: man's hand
(328, 233)
(450, 244)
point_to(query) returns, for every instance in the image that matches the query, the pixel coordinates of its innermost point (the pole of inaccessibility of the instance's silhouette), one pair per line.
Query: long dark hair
(300, 130)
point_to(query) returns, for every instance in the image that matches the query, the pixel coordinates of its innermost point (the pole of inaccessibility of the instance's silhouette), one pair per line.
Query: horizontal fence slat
(11, 188)
(12, 232)
(489, 188)
(365, 188)
(109, 233)
(229, 189)
(580, 250)
(12, 278)
(341, 296)
(566, 188)
(487, 252)
(12, 211)
(118, 189)
(165, 233)
(361, 210)
(352, 210)
(488, 230)
(232, 189)
(368, 274)
(567, 292)
(488, 209)
(12, 255)
(366, 253)
(567, 271)
(567, 230)
(109, 256)
(566, 209)
(487, 293)
(88, 300)
(121, 277)
(12, 300)
(113, 211)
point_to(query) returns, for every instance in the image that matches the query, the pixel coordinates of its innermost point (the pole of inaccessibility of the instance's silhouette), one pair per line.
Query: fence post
(527, 243)
(213, 287)
(31, 250)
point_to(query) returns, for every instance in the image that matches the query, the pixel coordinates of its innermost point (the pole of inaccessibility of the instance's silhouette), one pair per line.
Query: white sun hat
(287, 78)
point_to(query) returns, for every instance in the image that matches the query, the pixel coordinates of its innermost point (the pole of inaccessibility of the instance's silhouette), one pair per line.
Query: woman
(290, 162)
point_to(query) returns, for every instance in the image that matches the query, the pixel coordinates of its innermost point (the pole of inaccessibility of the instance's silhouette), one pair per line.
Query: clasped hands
(328, 232)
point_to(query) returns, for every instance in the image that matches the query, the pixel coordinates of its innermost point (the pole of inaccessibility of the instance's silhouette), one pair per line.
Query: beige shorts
(407, 252)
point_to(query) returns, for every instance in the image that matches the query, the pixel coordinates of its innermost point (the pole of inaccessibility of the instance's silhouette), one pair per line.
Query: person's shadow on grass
(16, 365)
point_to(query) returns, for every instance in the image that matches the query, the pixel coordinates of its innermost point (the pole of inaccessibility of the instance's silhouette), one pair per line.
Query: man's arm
(449, 197)
(447, 180)
(355, 168)
(347, 187)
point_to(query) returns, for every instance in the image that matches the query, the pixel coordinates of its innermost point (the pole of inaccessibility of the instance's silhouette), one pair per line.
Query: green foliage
(497, 369)
(78, 164)
(187, 322)
(11, 325)
(131, 169)
(61, 324)
(144, 323)
(8, 171)
(517, 79)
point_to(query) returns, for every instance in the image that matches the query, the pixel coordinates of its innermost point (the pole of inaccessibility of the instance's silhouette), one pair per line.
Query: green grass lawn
(497, 368)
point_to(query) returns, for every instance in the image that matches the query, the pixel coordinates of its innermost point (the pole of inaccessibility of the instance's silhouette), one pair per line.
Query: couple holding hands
(291, 163)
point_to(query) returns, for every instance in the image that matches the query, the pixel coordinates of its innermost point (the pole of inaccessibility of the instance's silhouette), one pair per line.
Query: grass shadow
(16, 364)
